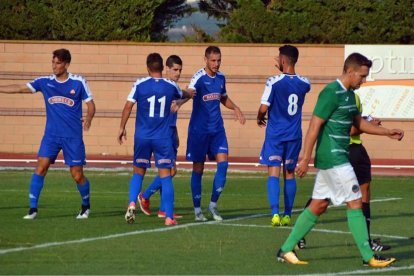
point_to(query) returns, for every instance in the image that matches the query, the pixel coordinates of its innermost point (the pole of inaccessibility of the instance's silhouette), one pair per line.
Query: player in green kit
(334, 115)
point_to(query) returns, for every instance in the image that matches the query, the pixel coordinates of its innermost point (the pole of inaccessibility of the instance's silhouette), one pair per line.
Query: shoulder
(304, 79)
(274, 79)
(198, 74)
(76, 77)
(44, 78)
(141, 80)
(171, 82)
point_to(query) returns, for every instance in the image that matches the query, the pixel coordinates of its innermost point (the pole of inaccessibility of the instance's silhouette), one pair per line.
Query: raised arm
(15, 89)
(125, 116)
(367, 127)
(227, 102)
(310, 140)
(90, 113)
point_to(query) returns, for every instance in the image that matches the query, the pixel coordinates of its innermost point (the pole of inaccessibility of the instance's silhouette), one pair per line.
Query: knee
(173, 171)
(198, 168)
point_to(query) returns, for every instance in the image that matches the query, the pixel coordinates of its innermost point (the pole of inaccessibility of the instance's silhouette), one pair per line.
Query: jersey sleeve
(267, 94)
(86, 93)
(35, 85)
(132, 94)
(326, 104)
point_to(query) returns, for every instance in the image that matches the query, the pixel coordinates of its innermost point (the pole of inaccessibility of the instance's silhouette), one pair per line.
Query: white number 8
(293, 104)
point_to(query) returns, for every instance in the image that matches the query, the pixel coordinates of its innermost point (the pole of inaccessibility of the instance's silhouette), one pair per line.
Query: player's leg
(271, 155)
(196, 152)
(291, 151)
(142, 161)
(164, 160)
(47, 154)
(74, 155)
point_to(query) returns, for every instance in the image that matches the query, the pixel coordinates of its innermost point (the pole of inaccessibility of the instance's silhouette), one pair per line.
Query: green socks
(303, 225)
(358, 228)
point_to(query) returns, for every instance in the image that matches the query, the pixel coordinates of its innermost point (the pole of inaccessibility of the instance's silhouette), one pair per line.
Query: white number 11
(161, 100)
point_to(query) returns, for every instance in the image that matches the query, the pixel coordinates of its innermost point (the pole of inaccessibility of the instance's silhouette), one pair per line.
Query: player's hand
(191, 92)
(396, 134)
(239, 116)
(86, 124)
(261, 122)
(302, 168)
(122, 136)
(174, 107)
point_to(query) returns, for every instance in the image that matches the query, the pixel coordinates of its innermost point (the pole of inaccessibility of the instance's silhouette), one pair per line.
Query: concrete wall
(111, 69)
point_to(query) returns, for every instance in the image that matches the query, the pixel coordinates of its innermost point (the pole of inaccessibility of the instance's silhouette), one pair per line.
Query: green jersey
(337, 107)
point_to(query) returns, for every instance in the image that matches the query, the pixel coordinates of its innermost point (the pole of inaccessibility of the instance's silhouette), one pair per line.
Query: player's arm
(367, 127)
(188, 93)
(126, 112)
(261, 115)
(227, 102)
(90, 113)
(310, 140)
(15, 89)
(176, 105)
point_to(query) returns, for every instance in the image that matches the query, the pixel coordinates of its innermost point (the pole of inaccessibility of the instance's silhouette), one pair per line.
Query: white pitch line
(313, 230)
(363, 271)
(114, 236)
(164, 229)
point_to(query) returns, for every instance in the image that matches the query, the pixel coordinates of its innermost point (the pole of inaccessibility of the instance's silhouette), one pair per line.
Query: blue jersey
(63, 101)
(206, 115)
(284, 95)
(153, 97)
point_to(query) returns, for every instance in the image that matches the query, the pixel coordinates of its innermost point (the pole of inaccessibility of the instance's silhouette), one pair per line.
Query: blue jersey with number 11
(153, 97)
(284, 95)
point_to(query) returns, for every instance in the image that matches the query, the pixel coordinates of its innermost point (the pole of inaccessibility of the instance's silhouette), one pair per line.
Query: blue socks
(36, 186)
(167, 196)
(219, 180)
(289, 193)
(135, 186)
(84, 192)
(273, 191)
(196, 188)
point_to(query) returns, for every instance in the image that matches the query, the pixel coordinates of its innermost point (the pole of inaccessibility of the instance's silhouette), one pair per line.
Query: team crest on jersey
(61, 100)
(211, 97)
(72, 92)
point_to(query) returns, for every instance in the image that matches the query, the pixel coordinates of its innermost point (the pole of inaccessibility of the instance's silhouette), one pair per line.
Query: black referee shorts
(359, 159)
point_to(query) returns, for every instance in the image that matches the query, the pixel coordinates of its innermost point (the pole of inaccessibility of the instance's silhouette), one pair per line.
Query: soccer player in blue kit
(174, 66)
(206, 134)
(63, 93)
(282, 100)
(153, 95)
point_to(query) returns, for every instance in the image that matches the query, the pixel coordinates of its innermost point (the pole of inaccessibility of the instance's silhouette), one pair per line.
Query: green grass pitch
(243, 244)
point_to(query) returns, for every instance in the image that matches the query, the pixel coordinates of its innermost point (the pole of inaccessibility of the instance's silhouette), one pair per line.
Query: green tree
(321, 21)
(95, 20)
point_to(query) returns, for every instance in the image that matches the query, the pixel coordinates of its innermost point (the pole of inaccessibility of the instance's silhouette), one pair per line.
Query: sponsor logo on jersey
(50, 85)
(207, 82)
(275, 157)
(222, 148)
(61, 100)
(72, 92)
(211, 97)
(139, 160)
(164, 161)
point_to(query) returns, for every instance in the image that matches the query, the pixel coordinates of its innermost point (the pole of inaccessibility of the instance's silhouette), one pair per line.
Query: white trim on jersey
(130, 97)
(199, 74)
(85, 85)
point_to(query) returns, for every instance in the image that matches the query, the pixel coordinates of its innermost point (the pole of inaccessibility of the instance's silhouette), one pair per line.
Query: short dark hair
(212, 50)
(356, 60)
(155, 62)
(291, 52)
(173, 59)
(62, 55)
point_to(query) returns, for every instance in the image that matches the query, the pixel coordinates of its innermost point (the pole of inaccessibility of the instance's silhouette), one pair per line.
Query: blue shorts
(211, 144)
(275, 153)
(161, 148)
(73, 149)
